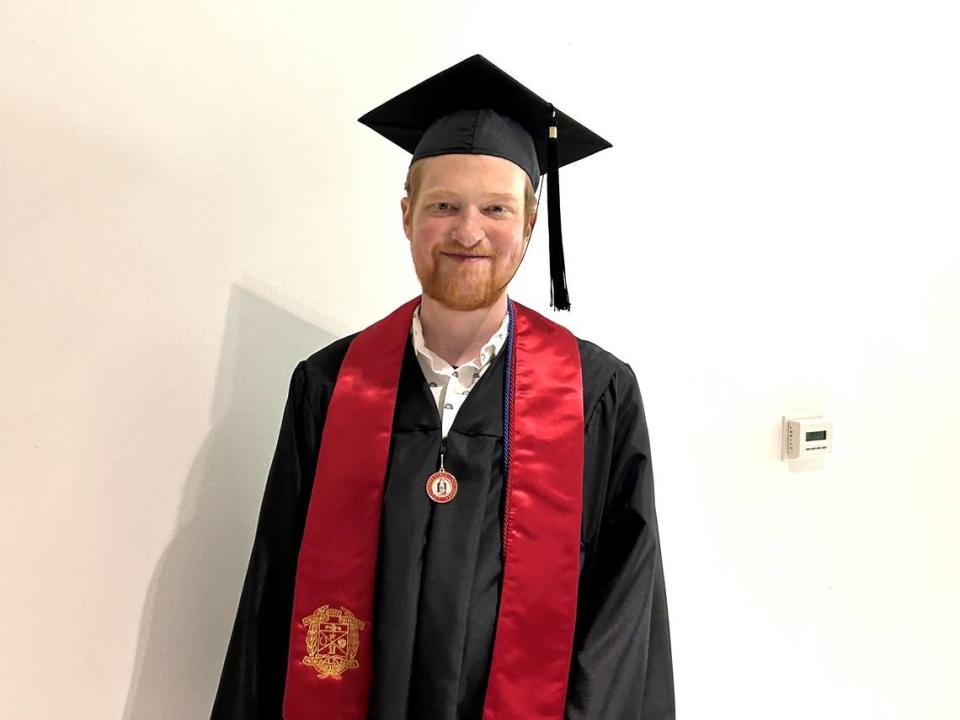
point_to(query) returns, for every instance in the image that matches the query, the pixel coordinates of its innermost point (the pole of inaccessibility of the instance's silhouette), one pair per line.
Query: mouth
(464, 257)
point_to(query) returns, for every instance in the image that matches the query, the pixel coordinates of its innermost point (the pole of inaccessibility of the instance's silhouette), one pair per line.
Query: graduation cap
(474, 107)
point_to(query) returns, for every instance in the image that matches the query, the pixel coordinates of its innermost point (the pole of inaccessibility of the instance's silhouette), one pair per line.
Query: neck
(458, 335)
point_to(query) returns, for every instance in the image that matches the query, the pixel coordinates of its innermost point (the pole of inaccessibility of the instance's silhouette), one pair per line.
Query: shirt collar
(488, 351)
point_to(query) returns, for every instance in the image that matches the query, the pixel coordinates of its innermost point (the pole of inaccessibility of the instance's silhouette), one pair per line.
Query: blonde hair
(412, 184)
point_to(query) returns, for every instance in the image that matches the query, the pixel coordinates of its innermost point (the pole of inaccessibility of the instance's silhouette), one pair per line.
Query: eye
(443, 206)
(498, 209)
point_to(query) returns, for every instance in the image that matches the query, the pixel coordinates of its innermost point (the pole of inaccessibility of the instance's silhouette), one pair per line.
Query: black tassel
(559, 297)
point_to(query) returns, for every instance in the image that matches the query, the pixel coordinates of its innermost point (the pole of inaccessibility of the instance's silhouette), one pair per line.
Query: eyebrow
(490, 196)
(437, 191)
(502, 196)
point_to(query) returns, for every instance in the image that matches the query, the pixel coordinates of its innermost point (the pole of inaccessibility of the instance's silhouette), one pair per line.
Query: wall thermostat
(806, 437)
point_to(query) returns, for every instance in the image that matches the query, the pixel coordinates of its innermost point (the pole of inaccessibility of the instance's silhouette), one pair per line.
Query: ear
(406, 213)
(528, 230)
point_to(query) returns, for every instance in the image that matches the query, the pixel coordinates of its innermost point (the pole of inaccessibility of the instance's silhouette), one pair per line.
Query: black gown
(439, 566)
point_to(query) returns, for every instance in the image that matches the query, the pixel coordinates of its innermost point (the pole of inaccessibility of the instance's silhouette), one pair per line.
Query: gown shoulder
(320, 369)
(603, 374)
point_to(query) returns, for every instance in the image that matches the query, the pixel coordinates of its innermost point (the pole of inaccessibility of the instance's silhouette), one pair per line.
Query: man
(459, 521)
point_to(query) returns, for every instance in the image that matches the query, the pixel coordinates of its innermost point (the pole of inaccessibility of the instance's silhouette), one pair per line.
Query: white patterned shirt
(451, 385)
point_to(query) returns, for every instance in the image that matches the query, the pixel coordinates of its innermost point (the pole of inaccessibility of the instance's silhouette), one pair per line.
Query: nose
(468, 228)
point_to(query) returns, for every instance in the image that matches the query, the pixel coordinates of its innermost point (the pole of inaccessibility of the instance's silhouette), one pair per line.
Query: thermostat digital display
(805, 437)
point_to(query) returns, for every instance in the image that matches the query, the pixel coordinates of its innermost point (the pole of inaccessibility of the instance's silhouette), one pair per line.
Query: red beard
(464, 286)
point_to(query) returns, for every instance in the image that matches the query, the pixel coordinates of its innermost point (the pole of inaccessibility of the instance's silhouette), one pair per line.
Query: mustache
(467, 253)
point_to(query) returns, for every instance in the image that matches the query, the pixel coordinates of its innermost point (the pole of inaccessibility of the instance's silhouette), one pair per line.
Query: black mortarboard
(474, 107)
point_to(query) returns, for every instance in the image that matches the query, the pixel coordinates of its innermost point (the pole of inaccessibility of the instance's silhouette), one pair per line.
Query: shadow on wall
(192, 598)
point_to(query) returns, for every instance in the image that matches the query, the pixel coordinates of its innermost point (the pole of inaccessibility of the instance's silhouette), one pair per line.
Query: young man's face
(466, 227)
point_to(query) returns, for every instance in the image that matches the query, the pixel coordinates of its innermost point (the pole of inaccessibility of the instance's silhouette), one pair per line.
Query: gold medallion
(333, 638)
(442, 486)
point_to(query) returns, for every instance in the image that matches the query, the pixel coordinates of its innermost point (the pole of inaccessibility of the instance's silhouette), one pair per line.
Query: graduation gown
(439, 574)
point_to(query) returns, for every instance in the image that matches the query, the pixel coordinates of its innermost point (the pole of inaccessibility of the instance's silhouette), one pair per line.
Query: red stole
(330, 665)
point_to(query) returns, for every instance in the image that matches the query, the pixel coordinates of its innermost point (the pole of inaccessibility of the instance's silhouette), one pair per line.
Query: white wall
(188, 207)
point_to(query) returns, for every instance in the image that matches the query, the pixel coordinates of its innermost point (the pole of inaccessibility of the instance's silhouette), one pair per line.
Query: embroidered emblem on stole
(333, 637)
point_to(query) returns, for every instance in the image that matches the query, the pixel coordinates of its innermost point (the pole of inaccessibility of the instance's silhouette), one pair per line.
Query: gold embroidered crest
(333, 637)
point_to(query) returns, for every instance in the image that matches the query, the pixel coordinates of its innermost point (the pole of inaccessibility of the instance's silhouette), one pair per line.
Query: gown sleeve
(622, 663)
(254, 671)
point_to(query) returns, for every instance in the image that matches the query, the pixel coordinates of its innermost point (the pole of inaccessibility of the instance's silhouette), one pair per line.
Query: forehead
(462, 171)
